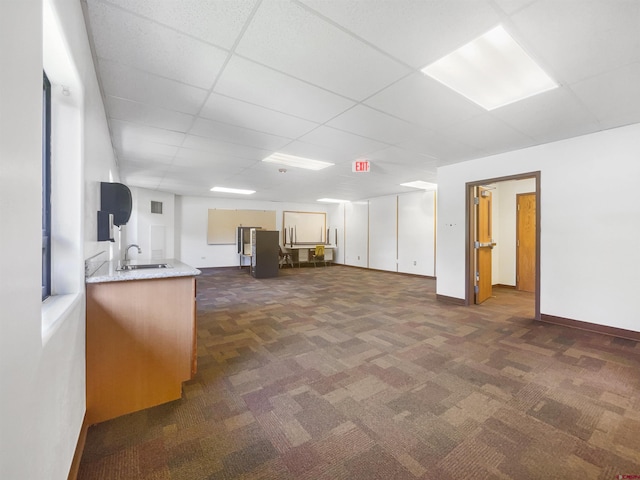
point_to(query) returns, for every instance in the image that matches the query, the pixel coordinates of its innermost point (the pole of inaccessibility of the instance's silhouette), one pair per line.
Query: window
(46, 187)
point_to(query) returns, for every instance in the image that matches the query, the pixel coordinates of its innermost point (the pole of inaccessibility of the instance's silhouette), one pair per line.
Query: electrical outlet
(358, 257)
(415, 263)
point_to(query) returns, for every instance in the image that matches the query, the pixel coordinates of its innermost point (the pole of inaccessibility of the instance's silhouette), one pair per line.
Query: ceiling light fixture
(492, 71)
(332, 200)
(421, 184)
(232, 190)
(293, 161)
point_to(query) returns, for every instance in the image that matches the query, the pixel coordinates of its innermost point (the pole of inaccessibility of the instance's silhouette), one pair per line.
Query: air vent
(156, 207)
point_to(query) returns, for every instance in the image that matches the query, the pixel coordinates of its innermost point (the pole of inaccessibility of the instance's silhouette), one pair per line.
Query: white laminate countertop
(108, 272)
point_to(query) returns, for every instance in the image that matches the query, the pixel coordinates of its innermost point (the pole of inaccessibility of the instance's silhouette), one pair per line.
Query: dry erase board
(222, 225)
(307, 227)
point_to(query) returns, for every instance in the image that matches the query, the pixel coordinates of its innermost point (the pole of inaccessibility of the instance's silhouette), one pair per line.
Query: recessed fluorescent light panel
(232, 190)
(293, 161)
(492, 71)
(331, 200)
(420, 184)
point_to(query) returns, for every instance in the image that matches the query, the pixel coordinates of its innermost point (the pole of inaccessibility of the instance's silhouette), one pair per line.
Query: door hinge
(477, 276)
(476, 289)
(476, 200)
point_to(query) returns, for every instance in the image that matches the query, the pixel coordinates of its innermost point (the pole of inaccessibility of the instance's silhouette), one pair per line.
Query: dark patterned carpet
(343, 373)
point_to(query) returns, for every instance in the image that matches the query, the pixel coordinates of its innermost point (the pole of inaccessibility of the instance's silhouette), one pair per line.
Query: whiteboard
(222, 224)
(308, 227)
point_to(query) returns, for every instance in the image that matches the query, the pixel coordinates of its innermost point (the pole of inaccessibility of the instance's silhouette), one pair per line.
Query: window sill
(54, 310)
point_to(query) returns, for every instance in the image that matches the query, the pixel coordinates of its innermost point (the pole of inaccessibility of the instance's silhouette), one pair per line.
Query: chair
(285, 257)
(318, 255)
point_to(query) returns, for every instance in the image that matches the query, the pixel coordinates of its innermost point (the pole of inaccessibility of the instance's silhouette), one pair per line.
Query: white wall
(383, 235)
(335, 223)
(191, 216)
(356, 234)
(42, 346)
(143, 224)
(416, 233)
(589, 223)
(393, 233)
(20, 238)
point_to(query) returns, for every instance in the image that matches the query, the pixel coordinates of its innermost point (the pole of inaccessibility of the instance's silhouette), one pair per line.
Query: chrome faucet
(126, 252)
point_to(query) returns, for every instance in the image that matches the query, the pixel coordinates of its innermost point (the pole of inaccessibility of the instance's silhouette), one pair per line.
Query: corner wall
(589, 226)
(42, 370)
(151, 231)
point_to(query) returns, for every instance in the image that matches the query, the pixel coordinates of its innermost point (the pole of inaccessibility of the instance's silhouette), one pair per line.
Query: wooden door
(526, 242)
(483, 244)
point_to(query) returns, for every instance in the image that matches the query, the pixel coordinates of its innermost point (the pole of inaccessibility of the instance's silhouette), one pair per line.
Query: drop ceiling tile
(140, 181)
(347, 144)
(349, 66)
(253, 83)
(373, 124)
(195, 142)
(512, 6)
(145, 150)
(312, 151)
(122, 81)
(578, 40)
(158, 50)
(417, 32)
(613, 97)
(233, 134)
(550, 116)
(202, 177)
(242, 114)
(196, 17)
(188, 158)
(132, 164)
(440, 147)
(126, 110)
(128, 133)
(489, 134)
(424, 101)
(402, 157)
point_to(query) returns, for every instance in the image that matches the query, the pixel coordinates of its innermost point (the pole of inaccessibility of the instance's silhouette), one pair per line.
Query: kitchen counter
(108, 272)
(141, 336)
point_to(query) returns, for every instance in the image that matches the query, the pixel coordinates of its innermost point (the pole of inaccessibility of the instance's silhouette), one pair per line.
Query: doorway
(518, 253)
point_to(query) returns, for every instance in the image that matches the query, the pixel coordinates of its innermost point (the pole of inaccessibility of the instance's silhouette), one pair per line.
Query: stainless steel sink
(143, 266)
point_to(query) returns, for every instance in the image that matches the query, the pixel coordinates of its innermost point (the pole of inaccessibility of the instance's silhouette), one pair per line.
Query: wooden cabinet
(264, 253)
(140, 344)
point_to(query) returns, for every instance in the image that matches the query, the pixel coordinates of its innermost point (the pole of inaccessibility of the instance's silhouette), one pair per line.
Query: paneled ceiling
(198, 92)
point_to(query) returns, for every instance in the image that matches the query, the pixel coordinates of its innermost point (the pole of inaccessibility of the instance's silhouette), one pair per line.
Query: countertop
(107, 272)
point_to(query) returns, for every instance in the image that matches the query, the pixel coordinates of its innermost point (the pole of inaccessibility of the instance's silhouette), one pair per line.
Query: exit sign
(361, 166)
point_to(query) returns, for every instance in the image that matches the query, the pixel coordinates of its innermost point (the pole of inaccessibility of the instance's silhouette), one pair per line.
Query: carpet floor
(343, 373)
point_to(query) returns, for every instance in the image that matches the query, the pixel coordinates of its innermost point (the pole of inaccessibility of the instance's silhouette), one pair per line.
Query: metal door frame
(469, 233)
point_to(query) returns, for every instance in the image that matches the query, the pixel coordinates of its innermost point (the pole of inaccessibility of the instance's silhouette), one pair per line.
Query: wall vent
(156, 207)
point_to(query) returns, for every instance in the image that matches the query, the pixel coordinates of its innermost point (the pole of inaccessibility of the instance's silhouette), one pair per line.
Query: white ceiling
(198, 92)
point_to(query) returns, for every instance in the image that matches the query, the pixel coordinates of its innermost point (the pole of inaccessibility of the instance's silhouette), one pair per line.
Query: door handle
(484, 244)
